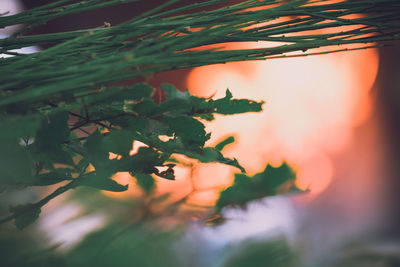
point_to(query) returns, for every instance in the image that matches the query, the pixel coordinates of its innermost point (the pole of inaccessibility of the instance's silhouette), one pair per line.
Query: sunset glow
(312, 104)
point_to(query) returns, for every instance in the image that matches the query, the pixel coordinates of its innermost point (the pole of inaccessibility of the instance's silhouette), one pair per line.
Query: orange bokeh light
(312, 105)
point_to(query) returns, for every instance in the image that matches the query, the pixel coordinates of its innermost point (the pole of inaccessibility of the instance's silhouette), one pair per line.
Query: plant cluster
(62, 110)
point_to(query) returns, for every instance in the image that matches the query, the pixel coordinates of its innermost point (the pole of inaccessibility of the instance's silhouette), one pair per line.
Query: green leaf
(144, 108)
(53, 131)
(118, 142)
(255, 253)
(239, 193)
(16, 165)
(272, 178)
(144, 161)
(140, 90)
(227, 141)
(82, 165)
(206, 116)
(228, 106)
(171, 92)
(50, 178)
(25, 215)
(95, 151)
(232, 162)
(49, 138)
(178, 103)
(168, 173)
(267, 183)
(157, 128)
(134, 124)
(120, 94)
(16, 126)
(60, 155)
(145, 181)
(211, 154)
(101, 182)
(190, 130)
(118, 245)
(176, 106)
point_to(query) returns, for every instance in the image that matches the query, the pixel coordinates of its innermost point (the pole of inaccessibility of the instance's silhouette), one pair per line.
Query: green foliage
(102, 182)
(228, 106)
(169, 39)
(125, 246)
(12, 157)
(227, 141)
(22, 249)
(146, 182)
(25, 215)
(115, 244)
(48, 140)
(55, 153)
(270, 182)
(62, 111)
(275, 253)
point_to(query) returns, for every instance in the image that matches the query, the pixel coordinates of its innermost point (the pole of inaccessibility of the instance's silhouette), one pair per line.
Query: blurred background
(333, 118)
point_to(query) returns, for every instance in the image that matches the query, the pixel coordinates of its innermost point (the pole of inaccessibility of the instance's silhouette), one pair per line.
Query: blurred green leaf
(275, 253)
(25, 249)
(120, 94)
(19, 126)
(25, 215)
(155, 127)
(95, 151)
(50, 178)
(169, 173)
(102, 182)
(229, 106)
(211, 154)
(52, 133)
(227, 141)
(171, 92)
(267, 183)
(118, 142)
(82, 165)
(273, 177)
(16, 164)
(145, 108)
(134, 245)
(145, 158)
(191, 131)
(140, 90)
(145, 181)
(183, 103)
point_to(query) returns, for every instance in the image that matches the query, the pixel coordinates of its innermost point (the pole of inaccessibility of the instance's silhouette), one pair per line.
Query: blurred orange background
(312, 106)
